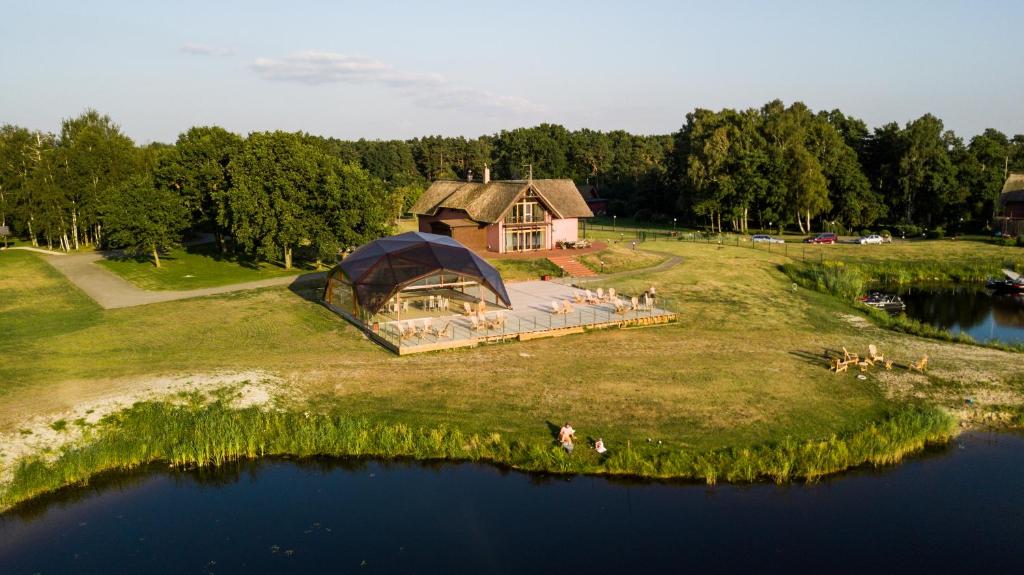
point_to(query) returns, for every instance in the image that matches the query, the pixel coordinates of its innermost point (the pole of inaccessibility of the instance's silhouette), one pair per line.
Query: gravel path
(112, 291)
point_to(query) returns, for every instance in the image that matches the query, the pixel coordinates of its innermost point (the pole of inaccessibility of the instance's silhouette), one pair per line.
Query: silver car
(872, 239)
(758, 238)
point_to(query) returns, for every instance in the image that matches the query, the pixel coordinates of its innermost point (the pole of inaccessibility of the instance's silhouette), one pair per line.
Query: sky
(380, 70)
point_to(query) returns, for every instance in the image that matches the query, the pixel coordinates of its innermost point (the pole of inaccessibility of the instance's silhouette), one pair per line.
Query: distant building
(503, 215)
(1010, 207)
(592, 195)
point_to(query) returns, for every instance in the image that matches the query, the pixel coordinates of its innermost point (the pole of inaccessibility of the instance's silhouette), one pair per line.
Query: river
(968, 309)
(956, 508)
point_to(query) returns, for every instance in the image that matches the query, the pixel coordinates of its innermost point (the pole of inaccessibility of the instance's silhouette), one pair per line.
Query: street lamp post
(613, 223)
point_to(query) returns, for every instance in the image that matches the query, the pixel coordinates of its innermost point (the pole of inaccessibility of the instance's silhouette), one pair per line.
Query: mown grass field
(744, 365)
(194, 267)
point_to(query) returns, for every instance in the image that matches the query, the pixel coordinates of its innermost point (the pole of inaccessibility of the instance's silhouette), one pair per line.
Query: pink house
(503, 215)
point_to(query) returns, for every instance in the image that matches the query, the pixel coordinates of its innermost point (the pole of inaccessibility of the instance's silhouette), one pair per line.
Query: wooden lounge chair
(635, 303)
(600, 295)
(873, 354)
(611, 294)
(556, 308)
(408, 330)
(567, 307)
(847, 356)
(919, 365)
(498, 322)
(428, 327)
(475, 323)
(468, 309)
(646, 303)
(838, 365)
(578, 297)
(591, 298)
(445, 331)
(620, 306)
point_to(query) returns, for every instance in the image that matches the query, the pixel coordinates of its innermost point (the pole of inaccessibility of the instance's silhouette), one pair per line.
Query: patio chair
(408, 330)
(589, 295)
(555, 308)
(873, 354)
(566, 307)
(468, 309)
(600, 295)
(919, 365)
(579, 297)
(498, 322)
(634, 303)
(620, 306)
(611, 294)
(445, 331)
(850, 357)
(838, 365)
(474, 323)
(428, 326)
(405, 305)
(647, 303)
(431, 304)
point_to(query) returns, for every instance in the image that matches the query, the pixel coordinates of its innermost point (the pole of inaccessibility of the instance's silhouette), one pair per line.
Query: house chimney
(487, 174)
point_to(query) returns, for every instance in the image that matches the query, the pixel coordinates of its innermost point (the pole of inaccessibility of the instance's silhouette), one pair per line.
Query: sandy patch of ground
(50, 432)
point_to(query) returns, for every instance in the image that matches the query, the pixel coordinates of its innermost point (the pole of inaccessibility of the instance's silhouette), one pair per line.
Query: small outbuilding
(1010, 208)
(386, 275)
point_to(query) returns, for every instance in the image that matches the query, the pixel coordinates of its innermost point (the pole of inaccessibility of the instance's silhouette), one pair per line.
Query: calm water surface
(968, 309)
(957, 509)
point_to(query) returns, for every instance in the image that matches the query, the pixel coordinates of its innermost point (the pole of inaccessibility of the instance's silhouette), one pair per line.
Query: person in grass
(599, 446)
(566, 435)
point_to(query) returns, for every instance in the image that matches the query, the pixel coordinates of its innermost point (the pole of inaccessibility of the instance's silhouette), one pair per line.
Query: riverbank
(191, 433)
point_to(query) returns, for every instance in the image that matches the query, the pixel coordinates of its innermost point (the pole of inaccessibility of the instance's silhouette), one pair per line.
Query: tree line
(273, 194)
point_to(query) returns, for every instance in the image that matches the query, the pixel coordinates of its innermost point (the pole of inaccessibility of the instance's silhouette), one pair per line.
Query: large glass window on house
(526, 211)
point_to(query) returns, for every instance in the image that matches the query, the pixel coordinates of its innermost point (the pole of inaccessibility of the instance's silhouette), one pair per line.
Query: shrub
(936, 234)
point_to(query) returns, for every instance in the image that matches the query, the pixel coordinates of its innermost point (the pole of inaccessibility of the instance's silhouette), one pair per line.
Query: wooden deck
(529, 318)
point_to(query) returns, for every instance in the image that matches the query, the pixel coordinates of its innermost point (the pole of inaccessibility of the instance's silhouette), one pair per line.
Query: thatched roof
(488, 202)
(1013, 188)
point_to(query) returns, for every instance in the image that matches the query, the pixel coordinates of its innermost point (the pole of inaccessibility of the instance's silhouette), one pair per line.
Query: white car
(872, 239)
(756, 238)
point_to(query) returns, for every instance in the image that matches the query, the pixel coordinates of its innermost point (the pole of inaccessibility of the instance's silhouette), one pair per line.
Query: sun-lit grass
(194, 267)
(621, 258)
(513, 270)
(742, 368)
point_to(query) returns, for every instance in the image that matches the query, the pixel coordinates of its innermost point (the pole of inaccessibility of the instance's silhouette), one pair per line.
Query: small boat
(1013, 283)
(888, 302)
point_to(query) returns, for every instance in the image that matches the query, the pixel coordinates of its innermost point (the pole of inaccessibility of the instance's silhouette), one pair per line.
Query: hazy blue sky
(402, 69)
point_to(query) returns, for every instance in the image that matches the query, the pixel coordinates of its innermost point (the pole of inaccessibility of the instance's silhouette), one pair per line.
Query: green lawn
(194, 267)
(743, 366)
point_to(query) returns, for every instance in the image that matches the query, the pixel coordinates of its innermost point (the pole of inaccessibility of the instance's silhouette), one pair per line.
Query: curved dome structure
(365, 281)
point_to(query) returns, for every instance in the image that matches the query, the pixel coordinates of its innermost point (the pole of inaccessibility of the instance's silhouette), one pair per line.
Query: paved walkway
(36, 250)
(112, 291)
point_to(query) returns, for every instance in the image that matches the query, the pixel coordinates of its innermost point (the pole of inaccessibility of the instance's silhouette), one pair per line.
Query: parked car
(757, 238)
(872, 239)
(825, 238)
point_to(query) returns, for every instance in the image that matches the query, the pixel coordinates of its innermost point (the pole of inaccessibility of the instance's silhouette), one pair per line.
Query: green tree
(93, 156)
(197, 169)
(142, 218)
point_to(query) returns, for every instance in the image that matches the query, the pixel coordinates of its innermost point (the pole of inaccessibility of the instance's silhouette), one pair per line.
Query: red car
(825, 238)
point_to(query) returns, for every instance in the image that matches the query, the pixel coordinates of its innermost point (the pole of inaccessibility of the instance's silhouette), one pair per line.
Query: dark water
(957, 509)
(968, 309)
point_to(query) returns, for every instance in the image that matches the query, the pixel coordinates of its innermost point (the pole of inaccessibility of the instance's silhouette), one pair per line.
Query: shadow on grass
(309, 287)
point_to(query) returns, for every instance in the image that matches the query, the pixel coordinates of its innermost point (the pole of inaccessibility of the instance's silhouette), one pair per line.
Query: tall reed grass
(210, 435)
